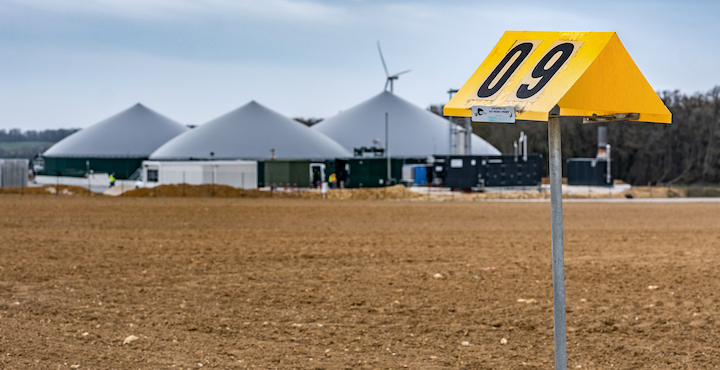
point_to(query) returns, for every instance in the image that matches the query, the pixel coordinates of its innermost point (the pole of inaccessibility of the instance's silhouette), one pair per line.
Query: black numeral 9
(546, 74)
(524, 49)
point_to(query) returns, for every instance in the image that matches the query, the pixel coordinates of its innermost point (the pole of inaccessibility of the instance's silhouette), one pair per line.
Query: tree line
(15, 143)
(51, 136)
(684, 152)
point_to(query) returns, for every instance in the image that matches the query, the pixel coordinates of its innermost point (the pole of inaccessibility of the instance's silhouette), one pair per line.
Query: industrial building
(519, 169)
(598, 171)
(253, 146)
(116, 145)
(479, 172)
(412, 131)
(250, 132)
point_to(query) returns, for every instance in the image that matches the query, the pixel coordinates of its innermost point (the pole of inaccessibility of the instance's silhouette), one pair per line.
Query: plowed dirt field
(160, 283)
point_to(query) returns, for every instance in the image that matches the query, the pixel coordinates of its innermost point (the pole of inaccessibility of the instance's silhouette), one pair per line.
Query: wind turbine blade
(383, 60)
(386, 83)
(398, 74)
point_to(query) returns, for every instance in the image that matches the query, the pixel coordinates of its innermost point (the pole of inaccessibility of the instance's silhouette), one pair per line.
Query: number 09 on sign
(533, 83)
(583, 74)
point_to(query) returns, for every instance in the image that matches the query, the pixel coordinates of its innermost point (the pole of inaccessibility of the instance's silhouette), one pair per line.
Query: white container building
(238, 174)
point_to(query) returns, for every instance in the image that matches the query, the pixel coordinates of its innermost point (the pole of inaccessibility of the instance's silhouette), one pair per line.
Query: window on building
(152, 175)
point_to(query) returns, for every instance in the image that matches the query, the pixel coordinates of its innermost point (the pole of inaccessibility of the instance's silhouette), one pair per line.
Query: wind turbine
(392, 78)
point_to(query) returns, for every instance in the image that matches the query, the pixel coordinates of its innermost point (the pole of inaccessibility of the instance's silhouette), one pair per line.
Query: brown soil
(392, 192)
(64, 190)
(325, 284)
(222, 191)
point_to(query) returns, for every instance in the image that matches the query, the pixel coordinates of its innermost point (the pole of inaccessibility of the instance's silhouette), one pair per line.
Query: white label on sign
(493, 114)
(456, 163)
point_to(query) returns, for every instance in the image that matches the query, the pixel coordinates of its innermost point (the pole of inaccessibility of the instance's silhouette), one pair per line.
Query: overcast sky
(72, 63)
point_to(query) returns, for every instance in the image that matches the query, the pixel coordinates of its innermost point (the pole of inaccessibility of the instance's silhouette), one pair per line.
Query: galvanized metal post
(450, 136)
(468, 136)
(609, 165)
(387, 150)
(558, 259)
(450, 125)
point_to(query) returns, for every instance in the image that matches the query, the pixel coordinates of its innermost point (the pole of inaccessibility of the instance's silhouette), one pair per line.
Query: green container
(287, 172)
(371, 172)
(78, 167)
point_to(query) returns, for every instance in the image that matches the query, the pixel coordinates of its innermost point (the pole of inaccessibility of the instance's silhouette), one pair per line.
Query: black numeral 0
(485, 90)
(546, 74)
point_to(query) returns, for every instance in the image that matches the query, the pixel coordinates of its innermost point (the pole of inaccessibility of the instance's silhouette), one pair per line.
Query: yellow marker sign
(584, 73)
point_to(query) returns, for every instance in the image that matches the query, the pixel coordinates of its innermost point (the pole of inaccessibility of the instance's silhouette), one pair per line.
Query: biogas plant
(383, 141)
(252, 240)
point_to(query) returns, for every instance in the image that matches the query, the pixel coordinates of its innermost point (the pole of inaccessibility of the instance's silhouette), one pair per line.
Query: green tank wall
(287, 172)
(261, 174)
(77, 167)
